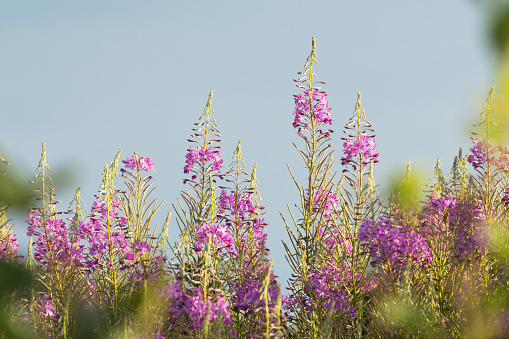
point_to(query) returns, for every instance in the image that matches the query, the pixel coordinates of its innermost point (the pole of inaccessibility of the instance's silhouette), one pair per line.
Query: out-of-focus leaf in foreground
(407, 188)
(14, 191)
(15, 281)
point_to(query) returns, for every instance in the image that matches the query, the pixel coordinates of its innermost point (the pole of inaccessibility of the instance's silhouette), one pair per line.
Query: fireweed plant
(363, 265)
(221, 254)
(330, 263)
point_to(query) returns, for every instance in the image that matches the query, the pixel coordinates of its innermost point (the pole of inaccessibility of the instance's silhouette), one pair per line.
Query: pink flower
(144, 164)
(364, 147)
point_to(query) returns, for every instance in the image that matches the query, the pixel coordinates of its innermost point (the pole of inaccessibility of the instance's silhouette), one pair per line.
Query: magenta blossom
(363, 147)
(484, 152)
(8, 247)
(203, 156)
(54, 242)
(218, 233)
(325, 201)
(479, 153)
(392, 244)
(309, 105)
(144, 164)
(189, 306)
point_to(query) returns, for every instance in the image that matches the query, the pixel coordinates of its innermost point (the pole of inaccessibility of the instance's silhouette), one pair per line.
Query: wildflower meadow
(364, 264)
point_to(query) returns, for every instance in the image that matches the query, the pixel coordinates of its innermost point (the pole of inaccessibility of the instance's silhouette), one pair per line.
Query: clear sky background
(92, 77)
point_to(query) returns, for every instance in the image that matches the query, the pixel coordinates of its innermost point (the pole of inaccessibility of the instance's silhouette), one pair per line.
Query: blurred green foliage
(496, 14)
(14, 190)
(406, 188)
(15, 281)
(496, 17)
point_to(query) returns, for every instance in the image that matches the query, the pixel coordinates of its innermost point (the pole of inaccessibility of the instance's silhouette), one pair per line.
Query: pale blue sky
(92, 77)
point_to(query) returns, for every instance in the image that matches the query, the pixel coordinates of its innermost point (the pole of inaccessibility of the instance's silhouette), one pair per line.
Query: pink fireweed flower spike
(204, 157)
(320, 110)
(479, 154)
(144, 164)
(364, 146)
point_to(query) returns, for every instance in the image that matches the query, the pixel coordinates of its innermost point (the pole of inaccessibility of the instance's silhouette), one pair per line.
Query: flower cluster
(467, 220)
(311, 105)
(197, 308)
(105, 234)
(492, 152)
(190, 307)
(140, 163)
(479, 153)
(442, 204)
(258, 227)
(463, 221)
(336, 240)
(325, 284)
(242, 215)
(100, 209)
(217, 233)
(247, 294)
(326, 202)
(238, 207)
(390, 244)
(203, 156)
(45, 307)
(8, 247)
(53, 244)
(325, 288)
(363, 147)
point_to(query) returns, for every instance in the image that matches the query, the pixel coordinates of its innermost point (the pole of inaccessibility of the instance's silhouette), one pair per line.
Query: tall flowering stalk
(134, 201)
(318, 302)
(488, 191)
(489, 159)
(45, 255)
(144, 265)
(412, 257)
(140, 211)
(104, 231)
(362, 208)
(204, 240)
(491, 162)
(253, 291)
(459, 176)
(56, 261)
(122, 254)
(203, 164)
